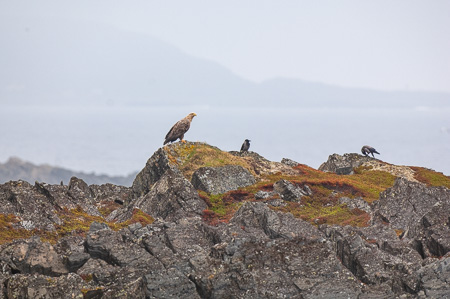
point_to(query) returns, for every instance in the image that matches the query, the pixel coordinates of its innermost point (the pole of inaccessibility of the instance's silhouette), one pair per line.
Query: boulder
(356, 203)
(343, 164)
(32, 256)
(289, 162)
(290, 192)
(218, 180)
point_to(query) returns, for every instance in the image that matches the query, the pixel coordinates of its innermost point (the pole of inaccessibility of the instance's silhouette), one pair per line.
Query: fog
(96, 86)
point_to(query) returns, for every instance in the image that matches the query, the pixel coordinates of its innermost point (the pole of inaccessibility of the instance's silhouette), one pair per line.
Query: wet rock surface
(258, 253)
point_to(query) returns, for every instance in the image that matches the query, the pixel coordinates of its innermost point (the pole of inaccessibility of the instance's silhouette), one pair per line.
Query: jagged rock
(289, 191)
(376, 257)
(435, 279)
(356, 203)
(21, 199)
(40, 286)
(118, 249)
(343, 164)
(420, 212)
(33, 256)
(155, 168)
(112, 281)
(218, 180)
(79, 189)
(289, 162)
(172, 197)
(255, 216)
(169, 284)
(77, 194)
(111, 193)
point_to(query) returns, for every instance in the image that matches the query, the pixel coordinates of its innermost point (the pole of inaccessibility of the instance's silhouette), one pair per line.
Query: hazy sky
(383, 44)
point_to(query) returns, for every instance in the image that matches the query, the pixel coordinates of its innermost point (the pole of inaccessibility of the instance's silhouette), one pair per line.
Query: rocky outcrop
(156, 166)
(420, 213)
(218, 180)
(259, 252)
(343, 164)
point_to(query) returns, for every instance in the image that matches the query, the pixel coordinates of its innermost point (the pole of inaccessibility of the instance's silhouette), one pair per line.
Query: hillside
(199, 222)
(15, 169)
(55, 61)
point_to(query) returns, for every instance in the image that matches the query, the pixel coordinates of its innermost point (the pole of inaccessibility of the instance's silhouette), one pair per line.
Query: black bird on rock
(366, 150)
(245, 146)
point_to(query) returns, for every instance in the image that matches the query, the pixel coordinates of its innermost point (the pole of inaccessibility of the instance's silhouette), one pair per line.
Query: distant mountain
(16, 169)
(55, 61)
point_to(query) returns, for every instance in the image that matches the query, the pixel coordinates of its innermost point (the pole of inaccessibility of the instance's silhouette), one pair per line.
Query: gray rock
(353, 203)
(343, 164)
(289, 162)
(435, 279)
(264, 194)
(96, 226)
(170, 283)
(172, 197)
(33, 256)
(155, 168)
(289, 191)
(76, 260)
(393, 264)
(218, 180)
(420, 212)
(40, 286)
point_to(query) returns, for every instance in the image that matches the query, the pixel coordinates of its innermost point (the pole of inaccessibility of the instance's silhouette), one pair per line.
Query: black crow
(366, 150)
(245, 146)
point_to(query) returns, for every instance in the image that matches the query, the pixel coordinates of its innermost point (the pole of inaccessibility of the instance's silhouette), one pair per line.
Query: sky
(383, 44)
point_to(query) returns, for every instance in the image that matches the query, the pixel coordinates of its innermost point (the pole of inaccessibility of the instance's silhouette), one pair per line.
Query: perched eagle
(179, 129)
(366, 150)
(245, 146)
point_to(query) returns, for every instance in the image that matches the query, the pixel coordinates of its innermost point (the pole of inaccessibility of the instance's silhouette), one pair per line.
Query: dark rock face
(421, 213)
(156, 166)
(38, 205)
(218, 180)
(343, 164)
(172, 197)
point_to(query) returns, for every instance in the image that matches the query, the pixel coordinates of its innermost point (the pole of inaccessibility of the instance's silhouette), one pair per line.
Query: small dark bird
(179, 129)
(366, 150)
(245, 146)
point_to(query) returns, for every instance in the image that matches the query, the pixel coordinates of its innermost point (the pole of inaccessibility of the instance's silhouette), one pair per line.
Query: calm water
(119, 140)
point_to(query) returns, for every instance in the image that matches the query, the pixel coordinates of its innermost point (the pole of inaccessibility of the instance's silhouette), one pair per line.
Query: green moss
(75, 222)
(138, 216)
(7, 231)
(191, 156)
(431, 177)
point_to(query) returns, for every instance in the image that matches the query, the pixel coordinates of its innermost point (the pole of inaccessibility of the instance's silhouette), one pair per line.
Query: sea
(118, 140)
